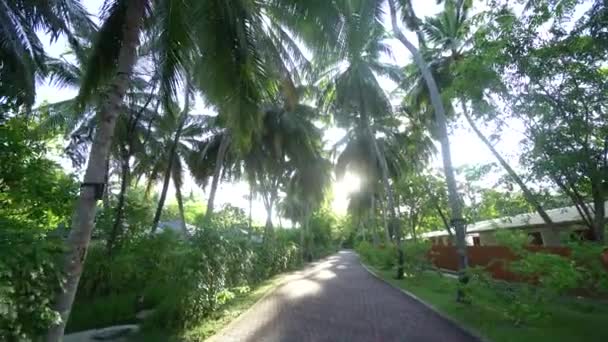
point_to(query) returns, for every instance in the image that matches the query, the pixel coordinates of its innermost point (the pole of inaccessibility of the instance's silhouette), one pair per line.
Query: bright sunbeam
(341, 189)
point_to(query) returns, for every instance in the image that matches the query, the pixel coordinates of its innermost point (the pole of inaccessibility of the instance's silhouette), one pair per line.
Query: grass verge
(569, 320)
(217, 321)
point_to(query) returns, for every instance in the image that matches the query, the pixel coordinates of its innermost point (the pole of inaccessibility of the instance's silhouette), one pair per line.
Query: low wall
(489, 256)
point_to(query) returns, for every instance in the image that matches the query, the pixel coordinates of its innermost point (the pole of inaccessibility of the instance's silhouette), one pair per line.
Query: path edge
(281, 281)
(433, 309)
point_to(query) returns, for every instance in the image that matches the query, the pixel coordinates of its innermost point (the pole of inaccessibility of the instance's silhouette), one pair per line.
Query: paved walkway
(337, 300)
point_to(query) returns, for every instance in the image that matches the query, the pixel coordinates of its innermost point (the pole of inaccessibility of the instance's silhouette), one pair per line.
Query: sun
(341, 189)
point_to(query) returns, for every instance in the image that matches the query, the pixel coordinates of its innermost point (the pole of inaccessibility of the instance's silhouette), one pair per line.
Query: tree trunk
(180, 206)
(527, 193)
(106, 190)
(224, 143)
(172, 156)
(387, 233)
(372, 220)
(453, 197)
(167, 178)
(414, 222)
(250, 209)
(124, 184)
(599, 220)
(84, 214)
(379, 156)
(268, 227)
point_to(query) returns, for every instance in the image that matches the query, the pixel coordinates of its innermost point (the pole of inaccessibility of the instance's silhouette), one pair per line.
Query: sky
(466, 148)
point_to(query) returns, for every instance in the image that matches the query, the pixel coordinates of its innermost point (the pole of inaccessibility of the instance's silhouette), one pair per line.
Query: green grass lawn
(569, 320)
(218, 320)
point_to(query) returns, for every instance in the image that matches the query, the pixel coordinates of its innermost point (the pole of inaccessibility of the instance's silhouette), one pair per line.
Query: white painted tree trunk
(84, 214)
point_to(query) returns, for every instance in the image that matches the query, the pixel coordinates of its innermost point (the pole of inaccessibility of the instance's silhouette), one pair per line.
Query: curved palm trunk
(373, 221)
(394, 223)
(106, 190)
(180, 206)
(250, 210)
(224, 143)
(167, 178)
(84, 214)
(453, 197)
(527, 193)
(125, 175)
(387, 233)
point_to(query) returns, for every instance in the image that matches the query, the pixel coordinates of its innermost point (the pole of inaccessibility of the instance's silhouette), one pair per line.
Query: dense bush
(36, 197)
(200, 273)
(416, 256)
(545, 277)
(29, 278)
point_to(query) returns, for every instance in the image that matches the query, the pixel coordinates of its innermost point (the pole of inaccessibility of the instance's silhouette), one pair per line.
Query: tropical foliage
(178, 96)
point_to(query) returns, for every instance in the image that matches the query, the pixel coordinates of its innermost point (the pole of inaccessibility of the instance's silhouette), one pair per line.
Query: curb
(449, 319)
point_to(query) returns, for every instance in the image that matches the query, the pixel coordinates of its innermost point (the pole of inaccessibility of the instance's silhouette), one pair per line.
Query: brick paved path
(337, 300)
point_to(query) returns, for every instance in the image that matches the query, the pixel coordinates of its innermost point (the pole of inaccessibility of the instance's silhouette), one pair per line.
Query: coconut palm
(352, 91)
(442, 131)
(22, 56)
(288, 143)
(449, 34)
(237, 51)
(305, 192)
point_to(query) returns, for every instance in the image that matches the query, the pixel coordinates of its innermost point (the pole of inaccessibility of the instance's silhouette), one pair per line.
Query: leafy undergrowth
(569, 319)
(214, 323)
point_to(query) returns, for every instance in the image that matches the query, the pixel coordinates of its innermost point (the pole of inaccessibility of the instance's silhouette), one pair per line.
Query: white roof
(559, 216)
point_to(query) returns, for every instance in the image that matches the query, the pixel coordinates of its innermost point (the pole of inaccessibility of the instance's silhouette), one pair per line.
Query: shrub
(416, 254)
(29, 278)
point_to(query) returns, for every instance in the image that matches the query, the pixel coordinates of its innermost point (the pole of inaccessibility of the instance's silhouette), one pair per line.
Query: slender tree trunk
(599, 220)
(168, 171)
(268, 228)
(106, 190)
(172, 156)
(453, 197)
(413, 221)
(375, 151)
(250, 209)
(530, 197)
(180, 206)
(372, 220)
(124, 184)
(84, 214)
(387, 233)
(217, 173)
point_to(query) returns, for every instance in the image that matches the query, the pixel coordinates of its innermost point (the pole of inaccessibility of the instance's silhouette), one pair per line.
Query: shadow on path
(337, 300)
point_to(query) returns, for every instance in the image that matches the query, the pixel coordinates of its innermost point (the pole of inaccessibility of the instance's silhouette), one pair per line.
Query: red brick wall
(490, 256)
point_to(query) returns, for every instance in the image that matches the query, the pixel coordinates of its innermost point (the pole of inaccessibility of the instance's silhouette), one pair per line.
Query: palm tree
(305, 192)
(237, 49)
(352, 91)
(288, 144)
(22, 57)
(78, 123)
(118, 36)
(174, 138)
(440, 114)
(450, 33)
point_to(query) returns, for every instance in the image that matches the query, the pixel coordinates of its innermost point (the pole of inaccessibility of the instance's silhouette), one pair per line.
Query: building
(565, 220)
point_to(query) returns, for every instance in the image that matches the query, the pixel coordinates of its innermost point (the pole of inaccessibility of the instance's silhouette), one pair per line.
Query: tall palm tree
(449, 34)
(453, 198)
(119, 37)
(351, 88)
(288, 143)
(305, 192)
(237, 53)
